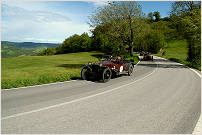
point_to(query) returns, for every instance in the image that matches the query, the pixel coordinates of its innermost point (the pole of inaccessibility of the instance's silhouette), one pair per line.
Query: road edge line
(36, 85)
(198, 125)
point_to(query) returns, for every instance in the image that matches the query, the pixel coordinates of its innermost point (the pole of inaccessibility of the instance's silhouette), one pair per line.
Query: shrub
(47, 51)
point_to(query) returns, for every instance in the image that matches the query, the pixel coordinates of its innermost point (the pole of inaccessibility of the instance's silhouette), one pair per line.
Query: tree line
(120, 28)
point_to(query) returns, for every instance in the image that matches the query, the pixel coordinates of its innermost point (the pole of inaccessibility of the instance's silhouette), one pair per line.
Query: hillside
(32, 70)
(176, 50)
(30, 44)
(15, 49)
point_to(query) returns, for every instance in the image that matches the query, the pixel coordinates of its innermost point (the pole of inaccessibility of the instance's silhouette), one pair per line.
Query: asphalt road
(160, 97)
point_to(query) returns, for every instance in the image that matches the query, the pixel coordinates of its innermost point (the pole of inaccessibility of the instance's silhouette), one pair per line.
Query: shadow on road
(166, 65)
(161, 60)
(76, 78)
(163, 65)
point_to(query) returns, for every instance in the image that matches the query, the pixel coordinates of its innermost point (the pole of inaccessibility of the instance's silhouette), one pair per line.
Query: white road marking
(37, 85)
(76, 100)
(195, 72)
(137, 63)
(197, 127)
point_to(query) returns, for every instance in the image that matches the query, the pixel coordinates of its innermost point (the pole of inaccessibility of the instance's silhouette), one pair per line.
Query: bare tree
(181, 7)
(121, 17)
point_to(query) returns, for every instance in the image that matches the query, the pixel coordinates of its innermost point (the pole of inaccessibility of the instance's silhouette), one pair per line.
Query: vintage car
(106, 69)
(142, 53)
(147, 56)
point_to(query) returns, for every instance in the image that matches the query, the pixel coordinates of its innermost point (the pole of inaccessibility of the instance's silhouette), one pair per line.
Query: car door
(119, 66)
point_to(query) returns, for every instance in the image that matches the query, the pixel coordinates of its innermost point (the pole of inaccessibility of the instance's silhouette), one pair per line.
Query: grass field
(34, 70)
(176, 50)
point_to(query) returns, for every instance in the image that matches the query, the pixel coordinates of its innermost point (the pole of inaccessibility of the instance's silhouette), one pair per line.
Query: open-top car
(107, 68)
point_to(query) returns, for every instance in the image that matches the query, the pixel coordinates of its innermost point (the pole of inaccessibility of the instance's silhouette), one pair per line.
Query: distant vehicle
(142, 53)
(147, 56)
(106, 68)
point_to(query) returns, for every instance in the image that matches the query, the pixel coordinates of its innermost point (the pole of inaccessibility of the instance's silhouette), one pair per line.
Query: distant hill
(29, 44)
(15, 49)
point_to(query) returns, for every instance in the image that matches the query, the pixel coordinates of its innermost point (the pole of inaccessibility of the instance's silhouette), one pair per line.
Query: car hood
(104, 63)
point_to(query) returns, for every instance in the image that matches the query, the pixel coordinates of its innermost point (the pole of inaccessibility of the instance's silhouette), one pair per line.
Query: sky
(54, 21)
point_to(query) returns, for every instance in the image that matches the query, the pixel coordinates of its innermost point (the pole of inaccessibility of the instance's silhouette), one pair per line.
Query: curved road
(160, 97)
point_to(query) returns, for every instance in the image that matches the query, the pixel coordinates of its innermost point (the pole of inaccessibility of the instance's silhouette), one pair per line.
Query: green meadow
(35, 70)
(176, 50)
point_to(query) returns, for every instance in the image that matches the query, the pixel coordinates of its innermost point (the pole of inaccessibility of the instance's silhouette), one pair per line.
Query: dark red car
(107, 68)
(147, 56)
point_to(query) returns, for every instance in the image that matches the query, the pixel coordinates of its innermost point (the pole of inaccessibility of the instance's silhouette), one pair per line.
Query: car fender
(128, 65)
(87, 66)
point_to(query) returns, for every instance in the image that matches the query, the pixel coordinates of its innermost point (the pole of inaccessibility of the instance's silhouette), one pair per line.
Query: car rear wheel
(84, 73)
(130, 70)
(106, 75)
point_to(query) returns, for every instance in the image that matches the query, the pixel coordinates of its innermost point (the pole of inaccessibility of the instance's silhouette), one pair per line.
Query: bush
(47, 51)
(74, 44)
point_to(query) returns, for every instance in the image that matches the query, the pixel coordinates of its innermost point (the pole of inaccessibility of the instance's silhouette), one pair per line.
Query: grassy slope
(176, 50)
(33, 70)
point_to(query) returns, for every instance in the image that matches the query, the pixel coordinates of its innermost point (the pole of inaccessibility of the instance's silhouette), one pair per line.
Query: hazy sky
(48, 21)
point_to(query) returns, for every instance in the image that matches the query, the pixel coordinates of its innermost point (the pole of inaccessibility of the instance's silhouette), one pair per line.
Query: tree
(186, 17)
(190, 28)
(163, 28)
(85, 42)
(166, 19)
(59, 49)
(119, 17)
(151, 40)
(157, 16)
(47, 51)
(155, 41)
(75, 43)
(150, 16)
(182, 7)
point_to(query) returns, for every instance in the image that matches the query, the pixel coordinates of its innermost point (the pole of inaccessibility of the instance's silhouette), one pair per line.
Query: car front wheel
(130, 70)
(106, 75)
(84, 73)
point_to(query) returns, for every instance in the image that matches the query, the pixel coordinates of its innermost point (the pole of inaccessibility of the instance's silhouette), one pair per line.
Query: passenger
(119, 60)
(111, 58)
